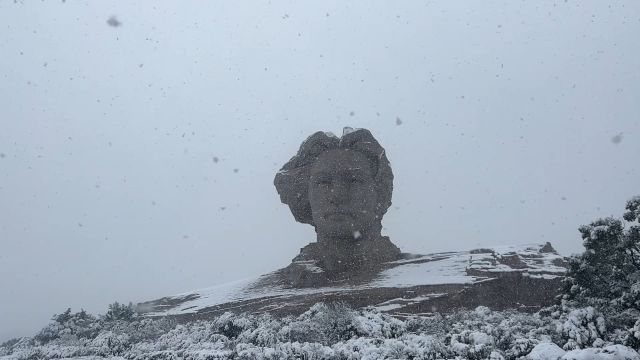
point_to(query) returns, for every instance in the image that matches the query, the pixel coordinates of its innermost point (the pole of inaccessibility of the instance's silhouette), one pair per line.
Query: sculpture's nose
(339, 193)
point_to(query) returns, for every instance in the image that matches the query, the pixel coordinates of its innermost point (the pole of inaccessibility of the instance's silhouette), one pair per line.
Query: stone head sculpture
(341, 186)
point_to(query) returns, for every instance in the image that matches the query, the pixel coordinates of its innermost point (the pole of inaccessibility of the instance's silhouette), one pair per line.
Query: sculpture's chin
(346, 229)
(341, 230)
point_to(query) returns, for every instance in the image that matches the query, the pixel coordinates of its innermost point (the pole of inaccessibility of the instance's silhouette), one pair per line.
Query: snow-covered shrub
(287, 350)
(69, 325)
(373, 323)
(472, 344)
(7, 346)
(303, 332)
(632, 338)
(149, 329)
(631, 299)
(13, 345)
(546, 351)
(296, 350)
(117, 311)
(49, 333)
(335, 332)
(611, 352)
(583, 328)
(607, 273)
(261, 331)
(324, 323)
(230, 325)
(436, 325)
(110, 344)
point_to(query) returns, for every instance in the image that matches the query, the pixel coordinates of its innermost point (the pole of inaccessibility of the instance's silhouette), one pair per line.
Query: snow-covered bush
(611, 352)
(607, 274)
(119, 311)
(604, 280)
(472, 344)
(323, 323)
(546, 351)
(632, 338)
(69, 325)
(372, 323)
(335, 332)
(583, 328)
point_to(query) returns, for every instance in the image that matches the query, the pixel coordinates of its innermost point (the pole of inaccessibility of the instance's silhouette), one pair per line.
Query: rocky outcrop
(525, 277)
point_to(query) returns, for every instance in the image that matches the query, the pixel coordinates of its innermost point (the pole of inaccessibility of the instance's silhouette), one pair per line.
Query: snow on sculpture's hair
(292, 181)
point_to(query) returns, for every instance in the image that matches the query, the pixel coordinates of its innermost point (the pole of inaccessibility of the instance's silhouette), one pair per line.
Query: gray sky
(502, 122)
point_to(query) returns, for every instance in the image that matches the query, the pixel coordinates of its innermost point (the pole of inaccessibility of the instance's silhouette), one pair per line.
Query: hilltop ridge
(524, 277)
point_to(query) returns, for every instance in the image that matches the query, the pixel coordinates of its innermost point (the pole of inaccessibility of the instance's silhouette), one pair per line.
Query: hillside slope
(522, 277)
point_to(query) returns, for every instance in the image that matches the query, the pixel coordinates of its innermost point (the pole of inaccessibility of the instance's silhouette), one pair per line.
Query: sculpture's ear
(384, 185)
(293, 187)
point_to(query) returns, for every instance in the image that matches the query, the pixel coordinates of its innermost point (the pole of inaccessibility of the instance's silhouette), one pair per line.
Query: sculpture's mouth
(339, 215)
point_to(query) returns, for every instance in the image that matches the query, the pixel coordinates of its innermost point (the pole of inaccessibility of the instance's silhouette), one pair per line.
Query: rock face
(525, 277)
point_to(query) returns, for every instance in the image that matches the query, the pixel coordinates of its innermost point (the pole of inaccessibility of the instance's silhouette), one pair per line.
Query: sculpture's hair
(292, 181)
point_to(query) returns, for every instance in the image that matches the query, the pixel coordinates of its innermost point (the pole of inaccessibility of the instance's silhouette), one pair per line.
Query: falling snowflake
(617, 139)
(113, 21)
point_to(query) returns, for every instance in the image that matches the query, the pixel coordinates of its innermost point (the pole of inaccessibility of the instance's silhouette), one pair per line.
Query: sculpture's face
(342, 194)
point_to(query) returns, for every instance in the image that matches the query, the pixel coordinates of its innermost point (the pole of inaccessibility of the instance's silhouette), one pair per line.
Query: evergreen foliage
(335, 332)
(69, 325)
(607, 274)
(608, 271)
(62, 318)
(119, 311)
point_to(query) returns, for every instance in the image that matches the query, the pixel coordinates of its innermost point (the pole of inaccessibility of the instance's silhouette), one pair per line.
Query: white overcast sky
(519, 121)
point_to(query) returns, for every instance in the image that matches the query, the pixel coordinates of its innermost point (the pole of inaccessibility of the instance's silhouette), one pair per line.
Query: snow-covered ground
(334, 332)
(464, 267)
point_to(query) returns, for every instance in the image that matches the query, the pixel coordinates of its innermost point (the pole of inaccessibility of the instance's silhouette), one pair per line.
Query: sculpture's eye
(322, 180)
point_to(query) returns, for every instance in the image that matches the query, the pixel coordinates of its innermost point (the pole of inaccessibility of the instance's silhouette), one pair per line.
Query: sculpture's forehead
(342, 160)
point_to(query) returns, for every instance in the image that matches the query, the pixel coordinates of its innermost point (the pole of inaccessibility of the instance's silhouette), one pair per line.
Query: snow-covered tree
(609, 269)
(607, 274)
(119, 311)
(73, 325)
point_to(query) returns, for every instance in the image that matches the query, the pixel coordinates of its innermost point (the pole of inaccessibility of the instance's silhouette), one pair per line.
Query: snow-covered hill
(523, 277)
(436, 306)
